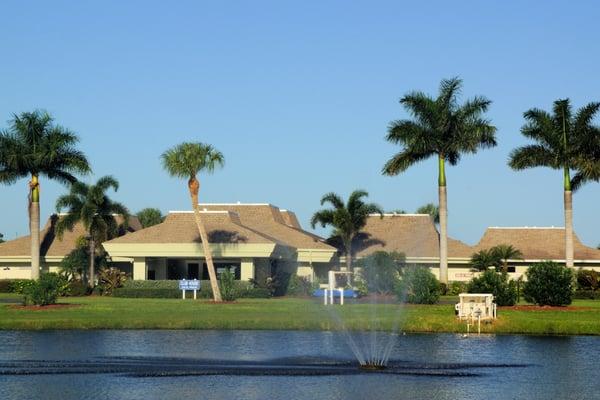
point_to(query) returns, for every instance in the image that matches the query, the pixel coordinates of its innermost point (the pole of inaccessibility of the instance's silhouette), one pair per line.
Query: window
(221, 267)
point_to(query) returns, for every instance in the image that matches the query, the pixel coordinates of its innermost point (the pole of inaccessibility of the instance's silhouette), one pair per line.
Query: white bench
(476, 306)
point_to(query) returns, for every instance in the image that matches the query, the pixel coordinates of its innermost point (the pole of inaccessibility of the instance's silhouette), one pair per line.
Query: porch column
(140, 269)
(247, 270)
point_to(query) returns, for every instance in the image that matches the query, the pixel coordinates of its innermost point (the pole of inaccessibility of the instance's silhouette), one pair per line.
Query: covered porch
(176, 268)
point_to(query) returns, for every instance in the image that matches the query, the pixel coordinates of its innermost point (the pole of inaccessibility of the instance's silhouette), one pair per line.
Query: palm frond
(531, 156)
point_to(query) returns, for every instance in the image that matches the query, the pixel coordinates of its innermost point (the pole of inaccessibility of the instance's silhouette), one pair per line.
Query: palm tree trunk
(34, 226)
(194, 187)
(348, 256)
(443, 221)
(569, 229)
(568, 201)
(91, 273)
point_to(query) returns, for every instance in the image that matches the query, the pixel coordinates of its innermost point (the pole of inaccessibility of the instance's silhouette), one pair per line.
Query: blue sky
(298, 95)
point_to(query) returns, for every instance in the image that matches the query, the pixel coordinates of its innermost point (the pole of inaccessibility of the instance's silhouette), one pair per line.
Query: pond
(292, 365)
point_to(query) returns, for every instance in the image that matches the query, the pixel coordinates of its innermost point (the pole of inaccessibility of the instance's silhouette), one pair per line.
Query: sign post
(185, 284)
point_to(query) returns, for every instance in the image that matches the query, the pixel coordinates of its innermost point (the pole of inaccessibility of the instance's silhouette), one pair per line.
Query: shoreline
(294, 314)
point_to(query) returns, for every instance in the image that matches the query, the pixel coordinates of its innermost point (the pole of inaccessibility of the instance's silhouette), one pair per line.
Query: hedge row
(169, 289)
(587, 294)
(14, 285)
(147, 293)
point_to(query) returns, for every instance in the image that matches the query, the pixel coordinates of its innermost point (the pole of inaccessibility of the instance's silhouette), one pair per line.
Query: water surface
(486, 367)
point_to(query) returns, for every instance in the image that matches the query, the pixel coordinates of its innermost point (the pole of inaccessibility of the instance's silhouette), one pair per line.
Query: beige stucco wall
(247, 269)
(22, 270)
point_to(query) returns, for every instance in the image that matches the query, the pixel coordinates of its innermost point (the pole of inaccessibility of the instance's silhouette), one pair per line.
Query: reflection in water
(291, 365)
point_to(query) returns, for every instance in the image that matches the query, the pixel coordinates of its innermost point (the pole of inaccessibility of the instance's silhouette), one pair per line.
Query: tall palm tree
(186, 160)
(432, 210)
(440, 128)
(505, 252)
(346, 219)
(560, 144)
(90, 205)
(34, 146)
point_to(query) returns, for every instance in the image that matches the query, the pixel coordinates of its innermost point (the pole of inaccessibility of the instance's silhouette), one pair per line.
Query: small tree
(44, 291)
(549, 284)
(346, 219)
(227, 285)
(484, 259)
(149, 217)
(381, 271)
(1, 238)
(91, 206)
(505, 252)
(418, 286)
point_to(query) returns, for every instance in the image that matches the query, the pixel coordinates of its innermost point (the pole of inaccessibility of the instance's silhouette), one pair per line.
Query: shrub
(549, 284)
(147, 293)
(277, 285)
(19, 286)
(227, 286)
(381, 271)
(361, 288)
(73, 264)
(169, 289)
(159, 284)
(490, 281)
(443, 288)
(301, 286)
(457, 288)
(44, 291)
(588, 279)
(111, 279)
(418, 286)
(5, 285)
(587, 294)
(77, 288)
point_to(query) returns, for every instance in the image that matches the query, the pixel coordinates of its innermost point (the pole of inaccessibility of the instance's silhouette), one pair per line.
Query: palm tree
(506, 252)
(90, 205)
(34, 146)
(186, 160)
(561, 139)
(442, 128)
(432, 210)
(346, 219)
(149, 217)
(483, 259)
(1, 238)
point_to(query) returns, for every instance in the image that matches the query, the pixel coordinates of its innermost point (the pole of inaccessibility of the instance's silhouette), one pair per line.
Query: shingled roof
(231, 223)
(414, 235)
(50, 244)
(180, 227)
(269, 220)
(536, 243)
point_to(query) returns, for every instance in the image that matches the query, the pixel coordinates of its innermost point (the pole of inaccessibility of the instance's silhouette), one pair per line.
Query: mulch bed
(544, 308)
(58, 306)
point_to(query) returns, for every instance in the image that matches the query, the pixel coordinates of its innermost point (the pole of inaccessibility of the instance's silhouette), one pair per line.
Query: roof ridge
(399, 215)
(525, 227)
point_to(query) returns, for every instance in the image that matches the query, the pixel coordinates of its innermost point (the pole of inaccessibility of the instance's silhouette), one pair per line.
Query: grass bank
(287, 313)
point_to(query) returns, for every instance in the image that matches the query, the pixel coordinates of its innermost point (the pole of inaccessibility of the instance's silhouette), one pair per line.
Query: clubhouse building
(255, 241)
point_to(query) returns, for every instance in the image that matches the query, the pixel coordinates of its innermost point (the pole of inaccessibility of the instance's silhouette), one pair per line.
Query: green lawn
(286, 313)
